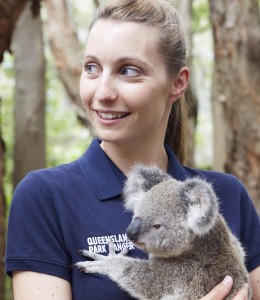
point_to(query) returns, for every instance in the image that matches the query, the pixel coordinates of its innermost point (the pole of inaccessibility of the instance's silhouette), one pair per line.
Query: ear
(202, 205)
(179, 84)
(140, 180)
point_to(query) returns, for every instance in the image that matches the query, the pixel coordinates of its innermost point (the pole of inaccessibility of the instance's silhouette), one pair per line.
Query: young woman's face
(124, 85)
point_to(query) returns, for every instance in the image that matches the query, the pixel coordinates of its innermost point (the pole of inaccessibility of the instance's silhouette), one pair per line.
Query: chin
(107, 138)
(112, 137)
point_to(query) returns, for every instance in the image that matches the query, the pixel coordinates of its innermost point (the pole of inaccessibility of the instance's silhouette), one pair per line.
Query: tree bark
(67, 52)
(29, 107)
(9, 12)
(236, 92)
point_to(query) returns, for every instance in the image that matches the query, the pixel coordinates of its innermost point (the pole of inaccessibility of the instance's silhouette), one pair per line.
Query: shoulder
(234, 202)
(35, 238)
(50, 188)
(223, 184)
(46, 179)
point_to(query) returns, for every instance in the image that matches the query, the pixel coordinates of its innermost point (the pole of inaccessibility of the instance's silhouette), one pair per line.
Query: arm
(254, 278)
(31, 285)
(34, 232)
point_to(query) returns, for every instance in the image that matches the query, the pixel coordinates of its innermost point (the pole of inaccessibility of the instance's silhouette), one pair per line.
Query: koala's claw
(91, 254)
(82, 270)
(78, 266)
(81, 267)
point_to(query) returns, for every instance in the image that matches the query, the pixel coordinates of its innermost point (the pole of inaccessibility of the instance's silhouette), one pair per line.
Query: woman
(133, 78)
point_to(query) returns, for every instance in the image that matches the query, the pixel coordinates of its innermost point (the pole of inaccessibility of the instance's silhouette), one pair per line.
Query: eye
(91, 69)
(157, 226)
(130, 72)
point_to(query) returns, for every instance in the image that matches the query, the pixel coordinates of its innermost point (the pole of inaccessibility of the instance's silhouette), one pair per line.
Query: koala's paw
(111, 252)
(101, 262)
(90, 267)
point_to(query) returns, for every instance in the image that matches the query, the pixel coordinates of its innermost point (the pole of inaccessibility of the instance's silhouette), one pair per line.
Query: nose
(134, 229)
(106, 89)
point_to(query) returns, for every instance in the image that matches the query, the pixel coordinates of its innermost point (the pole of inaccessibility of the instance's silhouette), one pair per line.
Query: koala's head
(167, 214)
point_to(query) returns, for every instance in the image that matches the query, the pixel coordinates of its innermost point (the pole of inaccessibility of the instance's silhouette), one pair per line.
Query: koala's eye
(157, 226)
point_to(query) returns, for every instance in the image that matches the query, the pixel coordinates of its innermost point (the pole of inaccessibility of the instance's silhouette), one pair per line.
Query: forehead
(113, 28)
(123, 37)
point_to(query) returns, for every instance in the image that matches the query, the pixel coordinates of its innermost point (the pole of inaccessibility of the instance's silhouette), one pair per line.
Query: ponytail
(176, 132)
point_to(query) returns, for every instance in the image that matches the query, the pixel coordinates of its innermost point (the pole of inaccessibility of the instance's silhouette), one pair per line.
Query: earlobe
(180, 84)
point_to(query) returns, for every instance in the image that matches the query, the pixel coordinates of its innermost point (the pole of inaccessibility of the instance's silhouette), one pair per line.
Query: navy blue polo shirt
(57, 211)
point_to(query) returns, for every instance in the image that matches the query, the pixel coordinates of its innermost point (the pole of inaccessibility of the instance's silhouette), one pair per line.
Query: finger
(243, 293)
(221, 290)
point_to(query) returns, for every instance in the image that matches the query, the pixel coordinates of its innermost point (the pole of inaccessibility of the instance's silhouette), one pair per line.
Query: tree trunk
(29, 108)
(9, 13)
(67, 52)
(236, 92)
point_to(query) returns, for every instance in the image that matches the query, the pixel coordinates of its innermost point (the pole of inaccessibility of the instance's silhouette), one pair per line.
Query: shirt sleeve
(34, 238)
(250, 230)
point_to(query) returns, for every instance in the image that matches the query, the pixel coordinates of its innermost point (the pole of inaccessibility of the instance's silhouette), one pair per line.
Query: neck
(125, 156)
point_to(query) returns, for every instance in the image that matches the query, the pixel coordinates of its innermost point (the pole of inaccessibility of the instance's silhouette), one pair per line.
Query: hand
(222, 290)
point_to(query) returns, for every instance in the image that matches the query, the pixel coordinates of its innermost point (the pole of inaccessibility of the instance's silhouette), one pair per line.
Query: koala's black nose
(133, 230)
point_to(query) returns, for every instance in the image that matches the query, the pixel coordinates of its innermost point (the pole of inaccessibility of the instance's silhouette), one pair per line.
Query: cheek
(140, 100)
(82, 88)
(85, 92)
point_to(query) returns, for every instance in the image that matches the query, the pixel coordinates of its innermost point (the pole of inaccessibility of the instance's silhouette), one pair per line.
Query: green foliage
(200, 16)
(81, 13)
(202, 68)
(7, 123)
(66, 138)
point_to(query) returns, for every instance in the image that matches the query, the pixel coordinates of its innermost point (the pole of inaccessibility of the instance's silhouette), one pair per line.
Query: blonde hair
(161, 15)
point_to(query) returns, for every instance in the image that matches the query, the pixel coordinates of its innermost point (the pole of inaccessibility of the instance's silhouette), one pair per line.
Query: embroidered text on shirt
(98, 244)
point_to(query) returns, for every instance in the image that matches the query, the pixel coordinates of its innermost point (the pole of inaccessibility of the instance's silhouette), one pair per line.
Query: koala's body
(178, 223)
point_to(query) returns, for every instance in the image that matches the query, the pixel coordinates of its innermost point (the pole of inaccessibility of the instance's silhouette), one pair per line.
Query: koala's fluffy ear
(140, 180)
(202, 205)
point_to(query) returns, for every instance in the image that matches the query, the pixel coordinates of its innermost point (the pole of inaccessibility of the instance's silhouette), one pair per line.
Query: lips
(112, 116)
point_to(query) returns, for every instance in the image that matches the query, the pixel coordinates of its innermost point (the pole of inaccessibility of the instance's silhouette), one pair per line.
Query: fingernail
(228, 281)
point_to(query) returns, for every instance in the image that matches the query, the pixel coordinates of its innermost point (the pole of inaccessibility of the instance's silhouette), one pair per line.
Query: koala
(190, 246)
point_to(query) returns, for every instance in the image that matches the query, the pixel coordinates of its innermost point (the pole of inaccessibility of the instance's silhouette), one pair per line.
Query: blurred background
(42, 121)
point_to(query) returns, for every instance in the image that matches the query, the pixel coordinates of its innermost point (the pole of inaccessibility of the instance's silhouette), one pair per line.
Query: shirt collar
(106, 179)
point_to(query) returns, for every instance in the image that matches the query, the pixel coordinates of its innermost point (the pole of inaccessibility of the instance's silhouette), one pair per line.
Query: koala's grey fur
(178, 223)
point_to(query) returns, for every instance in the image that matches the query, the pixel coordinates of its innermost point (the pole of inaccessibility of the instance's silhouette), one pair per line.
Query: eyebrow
(85, 57)
(121, 59)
